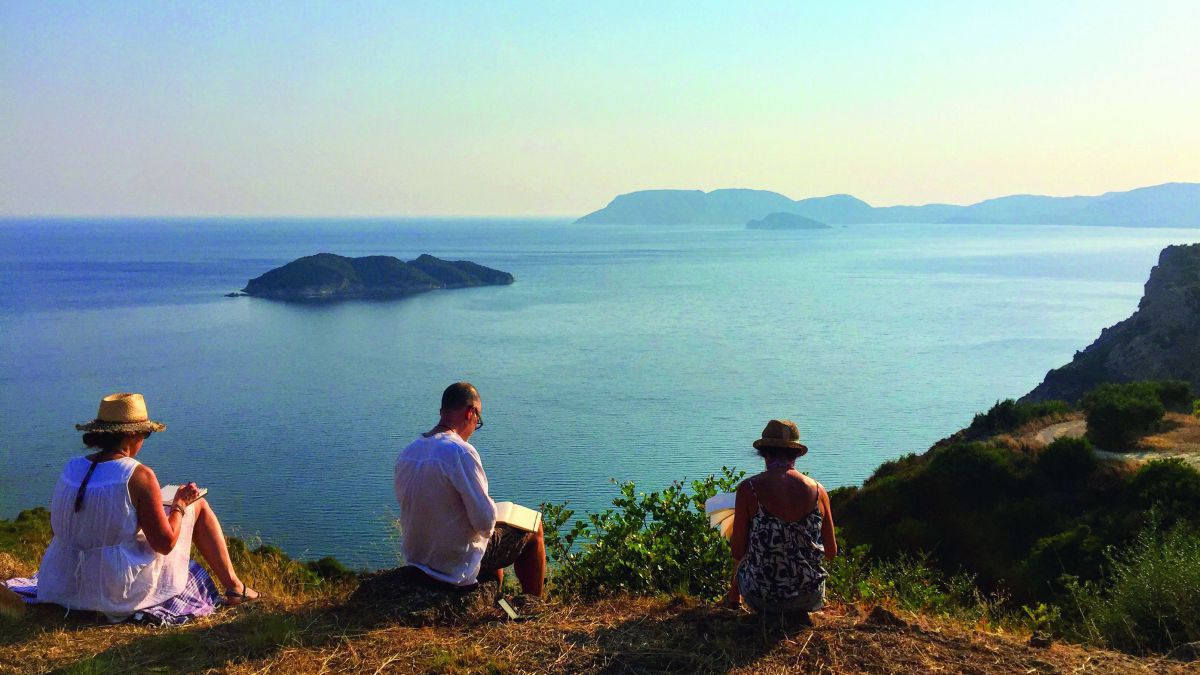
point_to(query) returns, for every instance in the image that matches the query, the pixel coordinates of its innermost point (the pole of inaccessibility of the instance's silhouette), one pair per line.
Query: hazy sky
(356, 108)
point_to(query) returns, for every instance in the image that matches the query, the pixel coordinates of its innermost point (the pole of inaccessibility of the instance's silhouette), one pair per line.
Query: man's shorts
(504, 547)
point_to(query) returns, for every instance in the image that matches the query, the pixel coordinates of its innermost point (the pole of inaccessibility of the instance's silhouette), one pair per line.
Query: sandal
(233, 598)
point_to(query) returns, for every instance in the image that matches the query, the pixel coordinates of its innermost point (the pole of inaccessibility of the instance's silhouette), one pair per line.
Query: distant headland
(785, 221)
(326, 276)
(1167, 205)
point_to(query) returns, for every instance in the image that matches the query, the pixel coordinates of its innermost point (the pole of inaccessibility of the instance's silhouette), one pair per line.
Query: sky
(512, 108)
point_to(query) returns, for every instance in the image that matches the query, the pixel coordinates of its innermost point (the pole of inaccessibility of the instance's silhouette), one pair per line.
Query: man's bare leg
(530, 566)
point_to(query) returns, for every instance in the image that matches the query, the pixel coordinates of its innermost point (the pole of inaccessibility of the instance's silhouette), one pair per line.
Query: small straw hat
(781, 434)
(122, 413)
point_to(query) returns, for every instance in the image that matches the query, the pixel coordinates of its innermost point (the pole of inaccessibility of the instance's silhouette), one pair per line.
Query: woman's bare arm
(743, 509)
(161, 530)
(827, 535)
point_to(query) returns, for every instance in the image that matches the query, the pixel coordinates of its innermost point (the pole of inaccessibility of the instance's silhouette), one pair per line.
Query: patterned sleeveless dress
(782, 567)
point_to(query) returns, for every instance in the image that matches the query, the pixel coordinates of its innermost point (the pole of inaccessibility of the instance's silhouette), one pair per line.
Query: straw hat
(781, 434)
(122, 413)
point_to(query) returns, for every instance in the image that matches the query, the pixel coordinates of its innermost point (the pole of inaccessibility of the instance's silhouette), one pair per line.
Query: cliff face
(330, 276)
(1161, 340)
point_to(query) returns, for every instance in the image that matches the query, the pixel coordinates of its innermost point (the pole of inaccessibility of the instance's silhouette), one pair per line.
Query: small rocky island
(326, 276)
(786, 221)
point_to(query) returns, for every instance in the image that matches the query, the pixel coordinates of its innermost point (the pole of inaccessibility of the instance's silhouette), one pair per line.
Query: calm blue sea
(644, 354)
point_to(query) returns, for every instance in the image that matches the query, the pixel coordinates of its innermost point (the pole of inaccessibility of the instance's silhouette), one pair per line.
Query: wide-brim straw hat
(781, 434)
(122, 413)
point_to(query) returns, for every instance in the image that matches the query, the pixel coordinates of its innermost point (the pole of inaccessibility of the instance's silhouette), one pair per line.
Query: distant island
(781, 220)
(326, 276)
(1167, 205)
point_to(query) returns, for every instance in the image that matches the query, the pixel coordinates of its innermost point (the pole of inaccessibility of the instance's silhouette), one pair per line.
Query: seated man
(448, 525)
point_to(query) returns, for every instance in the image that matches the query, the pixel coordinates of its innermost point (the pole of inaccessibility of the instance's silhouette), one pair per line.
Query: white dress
(99, 559)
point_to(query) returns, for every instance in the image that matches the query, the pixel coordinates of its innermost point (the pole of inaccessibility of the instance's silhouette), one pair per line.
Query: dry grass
(617, 635)
(1180, 435)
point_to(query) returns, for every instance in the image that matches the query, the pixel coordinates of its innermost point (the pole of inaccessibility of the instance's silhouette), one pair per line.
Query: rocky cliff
(326, 276)
(1160, 340)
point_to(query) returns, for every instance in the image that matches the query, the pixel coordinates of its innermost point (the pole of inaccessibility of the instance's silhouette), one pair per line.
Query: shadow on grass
(695, 640)
(258, 631)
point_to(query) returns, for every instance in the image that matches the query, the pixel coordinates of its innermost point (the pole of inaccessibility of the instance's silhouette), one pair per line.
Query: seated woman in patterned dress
(782, 530)
(117, 549)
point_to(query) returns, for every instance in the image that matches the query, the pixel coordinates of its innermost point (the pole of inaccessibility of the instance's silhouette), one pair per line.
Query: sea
(621, 353)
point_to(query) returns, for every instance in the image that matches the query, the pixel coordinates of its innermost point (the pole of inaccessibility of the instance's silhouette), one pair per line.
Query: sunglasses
(478, 417)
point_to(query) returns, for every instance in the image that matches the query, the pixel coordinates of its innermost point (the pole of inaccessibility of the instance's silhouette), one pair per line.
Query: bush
(906, 581)
(1175, 395)
(27, 535)
(1169, 486)
(1152, 599)
(1117, 414)
(1196, 408)
(1009, 415)
(1067, 460)
(653, 543)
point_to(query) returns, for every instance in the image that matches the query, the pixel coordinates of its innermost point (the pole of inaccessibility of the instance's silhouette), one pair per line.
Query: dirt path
(1181, 440)
(1069, 429)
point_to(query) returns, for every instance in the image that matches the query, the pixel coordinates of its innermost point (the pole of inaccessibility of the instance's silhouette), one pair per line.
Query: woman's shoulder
(748, 482)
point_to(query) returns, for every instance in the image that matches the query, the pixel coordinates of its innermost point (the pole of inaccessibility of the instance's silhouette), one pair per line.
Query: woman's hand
(186, 494)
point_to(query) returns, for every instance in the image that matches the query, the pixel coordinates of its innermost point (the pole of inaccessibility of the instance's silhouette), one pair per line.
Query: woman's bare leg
(210, 541)
(531, 565)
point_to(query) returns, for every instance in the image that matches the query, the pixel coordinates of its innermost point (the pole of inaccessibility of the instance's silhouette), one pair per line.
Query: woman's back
(789, 495)
(784, 547)
(98, 559)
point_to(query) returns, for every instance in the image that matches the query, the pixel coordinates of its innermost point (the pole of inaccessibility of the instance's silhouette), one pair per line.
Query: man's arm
(470, 481)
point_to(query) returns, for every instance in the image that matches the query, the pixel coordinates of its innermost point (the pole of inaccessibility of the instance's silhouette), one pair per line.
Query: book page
(168, 493)
(518, 516)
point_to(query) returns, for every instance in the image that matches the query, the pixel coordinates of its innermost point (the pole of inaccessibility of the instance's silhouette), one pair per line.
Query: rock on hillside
(1160, 340)
(329, 276)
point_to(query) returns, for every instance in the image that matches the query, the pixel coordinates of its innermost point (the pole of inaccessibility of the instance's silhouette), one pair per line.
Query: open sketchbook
(518, 516)
(168, 493)
(719, 510)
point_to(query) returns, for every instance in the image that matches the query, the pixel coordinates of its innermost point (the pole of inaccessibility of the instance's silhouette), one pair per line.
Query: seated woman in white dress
(117, 549)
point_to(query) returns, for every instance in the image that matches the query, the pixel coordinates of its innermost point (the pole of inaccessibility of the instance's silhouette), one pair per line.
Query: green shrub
(974, 474)
(653, 543)
(1009, 415)
(27, 535)
(907, 581)
(1169, 486)
(1067, 460)
(1175, 395)
(1117, 414)
(1151, 601)
(1196, 408)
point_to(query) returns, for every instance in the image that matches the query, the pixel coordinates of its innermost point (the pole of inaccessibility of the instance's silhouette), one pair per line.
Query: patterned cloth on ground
(199, 598)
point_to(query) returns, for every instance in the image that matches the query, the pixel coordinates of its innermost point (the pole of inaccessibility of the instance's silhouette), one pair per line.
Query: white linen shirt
(446, 515)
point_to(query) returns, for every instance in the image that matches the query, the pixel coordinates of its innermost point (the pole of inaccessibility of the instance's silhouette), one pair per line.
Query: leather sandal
(233, 598)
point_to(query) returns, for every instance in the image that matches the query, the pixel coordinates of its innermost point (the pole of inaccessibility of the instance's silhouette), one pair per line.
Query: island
(327, 276)
(786, 221)
(1167, 205)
